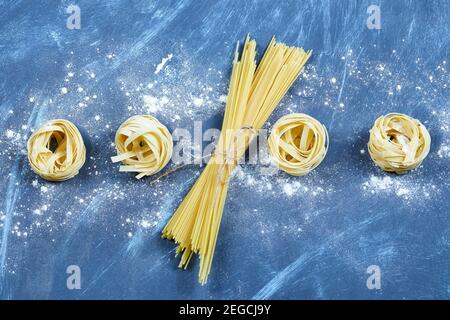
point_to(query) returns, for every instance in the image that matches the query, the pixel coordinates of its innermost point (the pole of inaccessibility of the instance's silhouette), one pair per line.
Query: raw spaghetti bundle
(56, 151)
(398, 143)
(253, 95)
(298, 143)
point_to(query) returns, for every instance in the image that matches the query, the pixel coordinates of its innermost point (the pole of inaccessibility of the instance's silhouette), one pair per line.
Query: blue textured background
(281, 236)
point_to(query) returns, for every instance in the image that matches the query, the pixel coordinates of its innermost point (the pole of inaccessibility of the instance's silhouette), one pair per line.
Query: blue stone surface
(281, 237)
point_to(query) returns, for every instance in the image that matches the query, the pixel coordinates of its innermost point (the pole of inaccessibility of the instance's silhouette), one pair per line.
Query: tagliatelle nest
(298, 143)
(398, 143)
(143, 145)
(56, 151)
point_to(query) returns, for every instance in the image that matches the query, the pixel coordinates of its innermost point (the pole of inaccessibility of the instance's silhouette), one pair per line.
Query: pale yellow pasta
(56, 151)
(398, 143)
(298, 143)
(253, 95)
(143, 145)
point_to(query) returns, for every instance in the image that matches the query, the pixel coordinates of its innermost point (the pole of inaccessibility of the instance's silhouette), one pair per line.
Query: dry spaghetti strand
(253, 95)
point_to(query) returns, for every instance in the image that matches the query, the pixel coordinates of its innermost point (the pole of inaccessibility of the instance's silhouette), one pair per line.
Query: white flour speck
(163, 62)
(164, 100)
(198, 102)
(291, 188)
(222, 98)
(444, 151)
(9, 134)
(151, 103)
(406, 187)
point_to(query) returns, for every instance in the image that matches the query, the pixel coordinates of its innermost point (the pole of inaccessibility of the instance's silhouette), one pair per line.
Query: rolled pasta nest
(398, 143)
(144, 145)
(298, 143)
(56, 151)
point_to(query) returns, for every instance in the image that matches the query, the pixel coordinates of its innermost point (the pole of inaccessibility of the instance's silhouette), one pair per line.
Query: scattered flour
(198, 102)
(404, 187)
(280, 184)
(10, 134)
(442, 120)
(152, 103)
(163, 62)
(288, 189)
(222, 98)
(444, 151)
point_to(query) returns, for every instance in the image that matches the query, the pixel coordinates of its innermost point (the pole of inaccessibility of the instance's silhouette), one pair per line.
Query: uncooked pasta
(398, 143)
(143, 145)
(253, 95)
(298, 143)
(56, 151)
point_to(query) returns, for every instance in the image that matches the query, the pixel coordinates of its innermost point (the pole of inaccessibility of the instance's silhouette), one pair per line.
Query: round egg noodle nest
(398, 143)
(56, 151)
(298, 143)
(143, 145)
